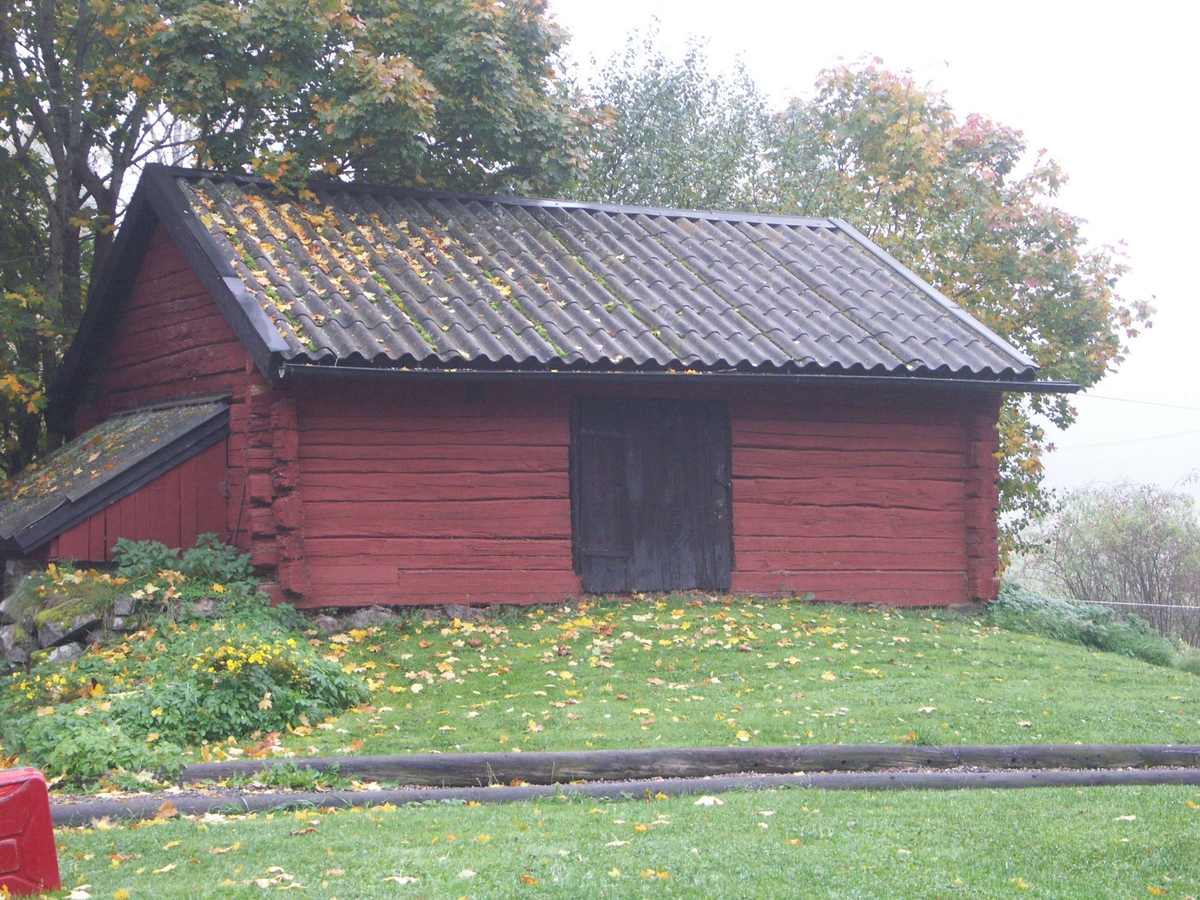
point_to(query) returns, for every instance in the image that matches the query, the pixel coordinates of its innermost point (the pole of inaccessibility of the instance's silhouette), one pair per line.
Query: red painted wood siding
(174, 508)
(854, 498)
(435, 498)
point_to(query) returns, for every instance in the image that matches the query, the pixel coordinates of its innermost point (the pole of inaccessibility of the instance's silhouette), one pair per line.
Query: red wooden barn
(392, 396)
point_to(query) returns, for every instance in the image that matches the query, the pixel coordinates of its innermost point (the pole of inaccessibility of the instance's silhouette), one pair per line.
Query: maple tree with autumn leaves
(467, 96)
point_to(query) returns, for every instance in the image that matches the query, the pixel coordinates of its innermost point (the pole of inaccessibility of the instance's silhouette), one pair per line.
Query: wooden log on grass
(483, 769)
(183, 804)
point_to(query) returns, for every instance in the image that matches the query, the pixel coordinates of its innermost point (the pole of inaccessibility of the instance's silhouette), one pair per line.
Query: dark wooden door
(651, 495)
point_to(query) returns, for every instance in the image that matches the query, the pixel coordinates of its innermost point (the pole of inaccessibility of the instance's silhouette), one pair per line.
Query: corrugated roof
(102, 465)
(386, 277)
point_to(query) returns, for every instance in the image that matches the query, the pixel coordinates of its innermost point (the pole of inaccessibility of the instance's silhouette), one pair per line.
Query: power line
(1154, 437)
(1139, 402)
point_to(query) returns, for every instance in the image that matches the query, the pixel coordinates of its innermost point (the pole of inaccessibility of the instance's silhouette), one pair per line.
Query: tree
(1127, 544)
(448, 93)
(452, 93)
(954, 199)
(674, 134)
(944, 195)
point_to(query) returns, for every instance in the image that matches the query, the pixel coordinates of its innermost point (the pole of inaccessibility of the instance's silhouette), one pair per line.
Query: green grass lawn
(691, 673)
(1053, 843)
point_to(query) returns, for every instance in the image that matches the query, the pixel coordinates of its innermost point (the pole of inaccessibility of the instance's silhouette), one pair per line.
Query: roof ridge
(329, 184)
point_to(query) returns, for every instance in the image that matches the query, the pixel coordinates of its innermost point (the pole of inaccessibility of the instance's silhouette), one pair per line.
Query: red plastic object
(28, 858)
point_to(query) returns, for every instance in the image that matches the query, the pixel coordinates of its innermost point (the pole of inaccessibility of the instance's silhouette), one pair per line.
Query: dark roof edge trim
(70, 514)
(527, 202)
(466, 376)
(953, 308)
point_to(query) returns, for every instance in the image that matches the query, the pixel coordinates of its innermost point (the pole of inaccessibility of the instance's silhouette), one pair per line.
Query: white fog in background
(1107, 90)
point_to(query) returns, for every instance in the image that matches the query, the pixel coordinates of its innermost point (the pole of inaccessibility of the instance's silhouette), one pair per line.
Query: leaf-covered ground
(1052, 843)
(687, 672)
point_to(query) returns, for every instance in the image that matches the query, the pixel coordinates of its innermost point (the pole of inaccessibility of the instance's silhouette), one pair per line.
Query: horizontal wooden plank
(844, 521)
(905, 542)
(438, 548)
(203, 327)
(778, 462)
(477, 433)
(192, 363)
(819, 580)
(803, 428)
(408, 486)
(901, 411)
(442, 586)
(432, 458)
(484, 518)
(833, 441)
(893, 493)
(432, 402)
(882, 557)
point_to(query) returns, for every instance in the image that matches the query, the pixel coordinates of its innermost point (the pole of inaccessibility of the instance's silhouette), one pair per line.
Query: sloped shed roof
(353, 276)
(103, 465)
(386, 277)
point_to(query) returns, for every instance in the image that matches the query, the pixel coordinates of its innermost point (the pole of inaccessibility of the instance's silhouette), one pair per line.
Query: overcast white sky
(1108, 90)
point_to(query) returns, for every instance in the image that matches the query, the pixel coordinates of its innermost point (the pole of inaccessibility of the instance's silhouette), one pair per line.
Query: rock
(372, 615)
(65, 653)
(465, 613)
(6, 618)
(50, 633)
(123, 606)
(327, 624)
(123, 624)
(206, 608)
(55, 634)
(8, 638)
(16, 656)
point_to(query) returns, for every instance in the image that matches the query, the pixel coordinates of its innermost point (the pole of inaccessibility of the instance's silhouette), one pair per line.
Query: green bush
(85, 739)
(1020, 609)
(143, 559)
(1127, 545)
(129, 704)
(184, 684)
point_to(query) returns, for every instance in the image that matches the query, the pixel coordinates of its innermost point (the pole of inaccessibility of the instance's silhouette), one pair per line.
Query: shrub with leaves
(1020, 609)
(1127, 544)
(127, 705)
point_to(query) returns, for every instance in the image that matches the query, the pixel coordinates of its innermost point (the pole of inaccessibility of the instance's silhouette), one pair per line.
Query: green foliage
(956, 199)
(1102, 628)
(437, 92)
(214, 560)
(143, 559)
(129, 704)
(242, 685)
(292, 777)
(674, 134)
(181, 684)
(89, 745)
(210, 560)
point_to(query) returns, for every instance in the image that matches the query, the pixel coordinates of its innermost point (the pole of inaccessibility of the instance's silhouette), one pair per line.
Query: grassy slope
(675, 674)
(1054, 843)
